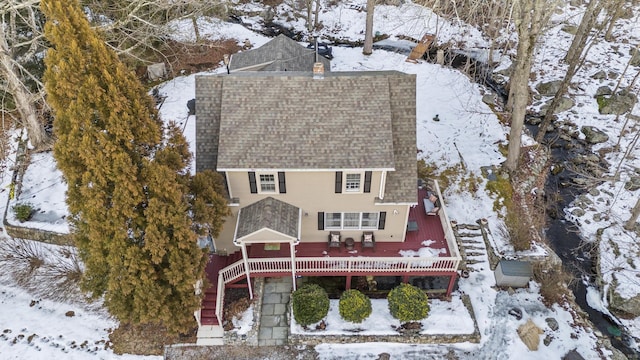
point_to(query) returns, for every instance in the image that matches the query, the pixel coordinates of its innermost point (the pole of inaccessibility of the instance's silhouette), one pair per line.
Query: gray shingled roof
(269, 213)
(296, 122)
(279, 54)
(285, 120)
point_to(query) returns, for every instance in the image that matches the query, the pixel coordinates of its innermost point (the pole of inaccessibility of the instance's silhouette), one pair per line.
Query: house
(279, 54)
(321, 174)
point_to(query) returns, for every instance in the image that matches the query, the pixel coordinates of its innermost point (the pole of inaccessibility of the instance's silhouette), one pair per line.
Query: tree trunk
(615, 9)
(368, 34)
(532, 17)
(23, 99)
(631, 223)
(316, 15)
(574, 58)
(196, 29)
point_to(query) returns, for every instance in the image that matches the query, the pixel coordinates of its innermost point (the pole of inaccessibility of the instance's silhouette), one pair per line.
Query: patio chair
(334, 240)
(368, 240)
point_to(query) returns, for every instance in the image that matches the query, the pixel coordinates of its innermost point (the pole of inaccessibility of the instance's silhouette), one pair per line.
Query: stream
(566, 242)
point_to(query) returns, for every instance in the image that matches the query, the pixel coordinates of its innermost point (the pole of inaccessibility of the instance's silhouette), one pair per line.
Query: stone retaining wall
(251, 337)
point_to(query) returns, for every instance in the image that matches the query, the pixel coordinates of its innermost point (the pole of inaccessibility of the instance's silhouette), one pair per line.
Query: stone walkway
(274, 325)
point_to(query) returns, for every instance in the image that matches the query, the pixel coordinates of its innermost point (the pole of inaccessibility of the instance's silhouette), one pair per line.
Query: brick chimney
(318, 70)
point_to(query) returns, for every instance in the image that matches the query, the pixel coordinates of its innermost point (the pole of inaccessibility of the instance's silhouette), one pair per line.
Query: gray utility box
(513, 273)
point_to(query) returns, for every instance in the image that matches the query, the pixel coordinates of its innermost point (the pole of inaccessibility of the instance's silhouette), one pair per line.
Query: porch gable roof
(269, 215)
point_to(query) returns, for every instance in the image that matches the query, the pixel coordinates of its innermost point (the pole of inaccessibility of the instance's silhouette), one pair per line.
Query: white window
(352, 182)
(351, 220)
(370, 220)
(333, 220)
(267, 183)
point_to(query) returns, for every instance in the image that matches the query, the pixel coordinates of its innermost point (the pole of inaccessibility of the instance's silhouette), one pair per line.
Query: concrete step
(209, 341)
(210, 331)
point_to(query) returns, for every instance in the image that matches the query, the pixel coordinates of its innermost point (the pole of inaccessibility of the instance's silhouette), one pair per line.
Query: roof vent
(318, 70)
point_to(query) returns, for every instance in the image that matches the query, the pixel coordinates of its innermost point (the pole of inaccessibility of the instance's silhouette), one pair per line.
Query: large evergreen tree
(135, 208)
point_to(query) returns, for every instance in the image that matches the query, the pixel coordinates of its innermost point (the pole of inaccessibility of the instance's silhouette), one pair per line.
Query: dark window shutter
(382, 220)
(282, 184)
(338, 182)
(320, 221)
(252, 182)
(367, 181)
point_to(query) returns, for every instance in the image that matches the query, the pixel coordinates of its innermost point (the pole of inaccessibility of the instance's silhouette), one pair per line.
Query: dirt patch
(187, 58)
(240, 353)
(146, 339)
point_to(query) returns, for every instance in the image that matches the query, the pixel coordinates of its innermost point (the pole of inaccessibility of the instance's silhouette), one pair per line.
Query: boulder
(633, 184)
(619, 103)
(593, 135)
(529, 333)
(635, 57)
(629, 306)
(600, 75)
(564, 105)
(552, 323)
(549, 88)
(573, 355)
(604, 90)
(570, 29)
(489, 99)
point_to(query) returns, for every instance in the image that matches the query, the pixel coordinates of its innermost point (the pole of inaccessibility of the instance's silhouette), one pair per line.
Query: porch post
(245, 259)
(292, 248)
(452, 281)
(405, 279)
(348, 284)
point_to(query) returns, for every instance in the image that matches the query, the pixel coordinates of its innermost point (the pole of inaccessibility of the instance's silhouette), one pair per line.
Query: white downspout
(383, 183)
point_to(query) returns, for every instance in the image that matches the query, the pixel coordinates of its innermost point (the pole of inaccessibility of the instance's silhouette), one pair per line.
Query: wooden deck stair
(211, 332)
(215, 264)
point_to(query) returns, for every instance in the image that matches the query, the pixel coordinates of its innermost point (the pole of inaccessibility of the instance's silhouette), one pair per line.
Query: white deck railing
(359, 265)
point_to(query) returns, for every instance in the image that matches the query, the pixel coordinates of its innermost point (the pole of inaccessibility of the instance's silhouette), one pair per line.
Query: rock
(553, 323)
(600, 75)
(529, 333)
(630, 306)
(635, 57)
(70, 313)
(619, 103)
(570, 29)
(577, 212)
(593, 135)
(515, 312)
(564, 105)
(633, 184)
(489, 99)
(594, 192)
(573, 355)
(393, 2)
(549, 88)
(384, 356)
(604, 90)
(547, 340)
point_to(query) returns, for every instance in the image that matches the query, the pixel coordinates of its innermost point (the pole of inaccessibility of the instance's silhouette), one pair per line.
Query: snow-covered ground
(467, 133)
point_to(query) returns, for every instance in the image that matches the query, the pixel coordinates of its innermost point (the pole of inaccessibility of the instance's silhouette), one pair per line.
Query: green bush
(310, 304)
(408, 303)
(23, 211)
(354, 306)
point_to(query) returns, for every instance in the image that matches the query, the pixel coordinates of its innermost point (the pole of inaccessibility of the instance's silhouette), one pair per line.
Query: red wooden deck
(430, 234)
(427, 240)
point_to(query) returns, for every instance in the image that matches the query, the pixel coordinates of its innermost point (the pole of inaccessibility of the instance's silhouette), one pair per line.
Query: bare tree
(575, 58)
(368, 33)
(530, 18)
(21, 42)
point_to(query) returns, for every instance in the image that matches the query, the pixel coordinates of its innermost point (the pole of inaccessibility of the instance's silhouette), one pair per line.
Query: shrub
(310, 304)
(408, 303)
(23, 211)
(354, 306)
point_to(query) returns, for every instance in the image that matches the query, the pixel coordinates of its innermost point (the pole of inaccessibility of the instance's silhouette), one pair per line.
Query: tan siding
(314, 192)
